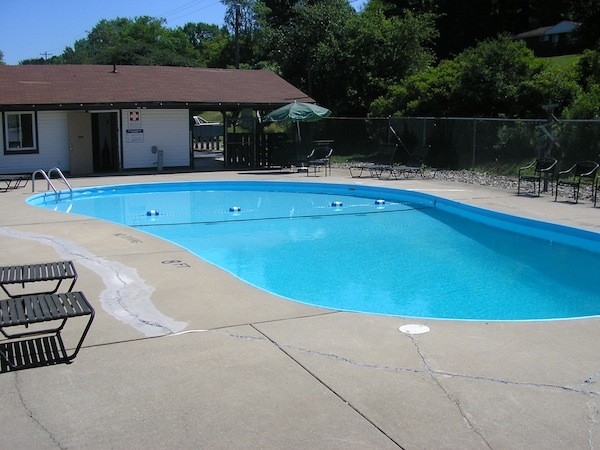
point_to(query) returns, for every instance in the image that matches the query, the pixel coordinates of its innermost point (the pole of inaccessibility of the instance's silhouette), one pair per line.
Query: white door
(80, 143)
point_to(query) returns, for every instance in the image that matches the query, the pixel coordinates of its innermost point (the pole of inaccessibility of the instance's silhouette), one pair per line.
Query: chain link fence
(463, 143)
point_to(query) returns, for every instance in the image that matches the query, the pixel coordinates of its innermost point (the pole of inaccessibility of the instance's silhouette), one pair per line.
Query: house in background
(554, 40)
(87, 119)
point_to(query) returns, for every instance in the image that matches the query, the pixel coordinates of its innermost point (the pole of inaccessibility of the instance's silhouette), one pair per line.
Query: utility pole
(238, 13)
(45, 55)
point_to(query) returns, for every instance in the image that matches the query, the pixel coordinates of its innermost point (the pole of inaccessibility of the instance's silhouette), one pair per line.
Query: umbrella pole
(299, 149)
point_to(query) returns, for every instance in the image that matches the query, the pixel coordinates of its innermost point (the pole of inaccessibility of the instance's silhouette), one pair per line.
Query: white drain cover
(414, 329)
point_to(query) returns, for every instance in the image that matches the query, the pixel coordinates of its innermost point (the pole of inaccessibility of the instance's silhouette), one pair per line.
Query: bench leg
(83, 335)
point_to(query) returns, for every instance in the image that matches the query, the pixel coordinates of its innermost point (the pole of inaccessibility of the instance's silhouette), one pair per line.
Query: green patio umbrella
(298, 112)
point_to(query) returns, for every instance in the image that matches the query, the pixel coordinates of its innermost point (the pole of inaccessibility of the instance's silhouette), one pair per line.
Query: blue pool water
(364, 249)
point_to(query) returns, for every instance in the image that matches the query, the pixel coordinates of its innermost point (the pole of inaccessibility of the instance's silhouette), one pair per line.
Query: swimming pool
(361, 248)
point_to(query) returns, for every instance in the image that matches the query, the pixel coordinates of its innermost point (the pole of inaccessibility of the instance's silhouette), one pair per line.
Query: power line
(181, 8)
(185, 7)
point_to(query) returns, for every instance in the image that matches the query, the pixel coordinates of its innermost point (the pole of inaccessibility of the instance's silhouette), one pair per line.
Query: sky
(44, 28)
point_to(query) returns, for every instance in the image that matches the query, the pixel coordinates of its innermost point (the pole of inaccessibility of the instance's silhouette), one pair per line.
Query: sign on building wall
(134, 135)
(134, 119)
(134, 132)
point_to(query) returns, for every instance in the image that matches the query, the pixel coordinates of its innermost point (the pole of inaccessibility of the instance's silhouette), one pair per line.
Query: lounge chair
(14, 181)
(382, 160)
(413, 164)
(406, 171)
(583, 172)
(319, 157)
(540, 169)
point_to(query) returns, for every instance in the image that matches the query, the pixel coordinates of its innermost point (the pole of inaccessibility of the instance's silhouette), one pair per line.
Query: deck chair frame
(13, 182)
(577, 175)
(319, 157)
(381, 160)
(542, 169)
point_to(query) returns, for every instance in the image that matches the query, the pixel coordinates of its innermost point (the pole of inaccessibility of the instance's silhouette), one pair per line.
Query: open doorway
(105, 141)
(207, 140)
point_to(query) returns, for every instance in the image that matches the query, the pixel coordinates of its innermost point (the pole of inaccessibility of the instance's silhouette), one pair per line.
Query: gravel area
(508, 183)
(480, 178)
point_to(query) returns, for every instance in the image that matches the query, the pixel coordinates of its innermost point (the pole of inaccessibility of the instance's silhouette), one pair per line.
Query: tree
(380, 51)
(141, 41)
(342, 58)
(430, 92)
(199, 34)
(587, 12)
(277, 13)
(302, 47)
(545, 13)
(240, 20)
(38, 61)
(464, 23)
(211, 42)
(588, 69)
(397, 7)
(2, 63)
(586, 104)
(240, 14)
(492, 75)
(497, 78)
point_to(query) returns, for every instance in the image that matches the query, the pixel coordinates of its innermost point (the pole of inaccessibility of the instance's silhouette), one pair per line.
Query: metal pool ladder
(50, 184)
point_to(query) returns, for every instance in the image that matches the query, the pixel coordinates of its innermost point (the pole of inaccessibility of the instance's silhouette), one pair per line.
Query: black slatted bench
(26, 348)
(32, 273)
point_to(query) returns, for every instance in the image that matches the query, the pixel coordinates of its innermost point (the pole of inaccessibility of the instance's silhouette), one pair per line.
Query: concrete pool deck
(183, 355)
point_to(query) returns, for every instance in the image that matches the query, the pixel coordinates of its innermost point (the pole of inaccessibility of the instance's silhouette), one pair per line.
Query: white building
(87, 119)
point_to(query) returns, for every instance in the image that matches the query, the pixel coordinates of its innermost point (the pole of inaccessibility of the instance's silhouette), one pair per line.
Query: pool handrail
(50, 184)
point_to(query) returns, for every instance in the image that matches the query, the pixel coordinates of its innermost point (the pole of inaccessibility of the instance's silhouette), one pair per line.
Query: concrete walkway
(183, 355)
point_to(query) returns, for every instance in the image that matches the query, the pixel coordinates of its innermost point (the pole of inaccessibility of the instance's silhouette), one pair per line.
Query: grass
(356, 157)
(564, 61)
(211, 116)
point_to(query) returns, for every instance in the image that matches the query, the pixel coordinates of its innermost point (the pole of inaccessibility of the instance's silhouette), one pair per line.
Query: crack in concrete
(592, 418)
(127, 297)
(591, 421)
(32, 417)
(328, 387)
(427, 371)
(456, 402)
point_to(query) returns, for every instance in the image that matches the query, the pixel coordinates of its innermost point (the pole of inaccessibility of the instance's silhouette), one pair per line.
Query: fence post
(474, 154)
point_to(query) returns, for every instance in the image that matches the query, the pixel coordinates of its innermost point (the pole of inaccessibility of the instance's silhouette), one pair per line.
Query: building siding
(53, 145)
(167, 129)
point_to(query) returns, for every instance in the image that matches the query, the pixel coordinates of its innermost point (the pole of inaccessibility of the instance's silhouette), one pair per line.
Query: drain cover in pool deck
(414, 329)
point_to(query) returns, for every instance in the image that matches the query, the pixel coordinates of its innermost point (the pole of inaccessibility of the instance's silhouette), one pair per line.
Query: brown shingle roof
(29, 85)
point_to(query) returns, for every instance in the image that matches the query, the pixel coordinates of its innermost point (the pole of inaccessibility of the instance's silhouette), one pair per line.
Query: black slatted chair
(542, 169)
(581, 173)
(319, 157)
